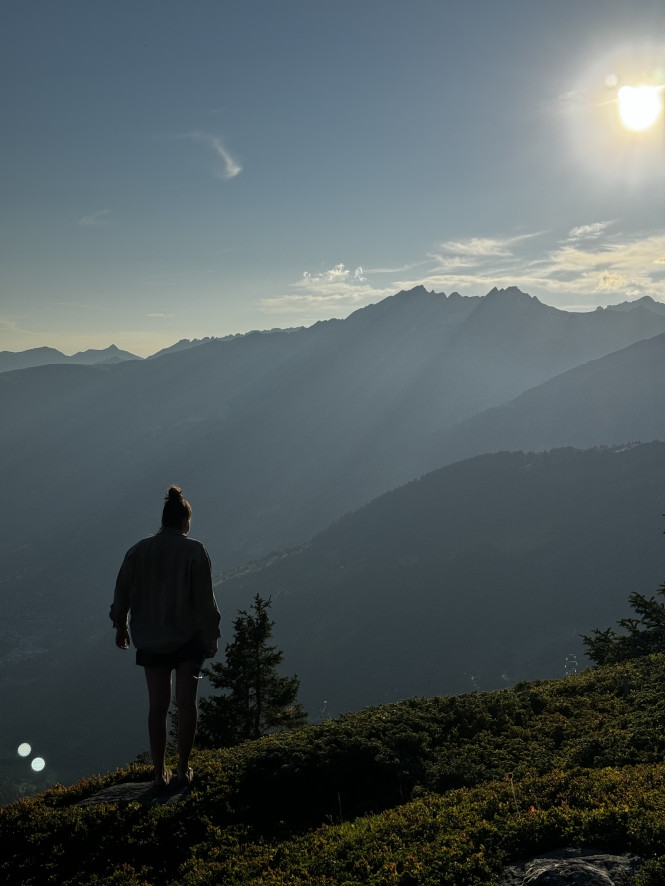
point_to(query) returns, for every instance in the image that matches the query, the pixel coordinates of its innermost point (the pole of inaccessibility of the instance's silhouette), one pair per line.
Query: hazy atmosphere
(378, 288)
(182, 170)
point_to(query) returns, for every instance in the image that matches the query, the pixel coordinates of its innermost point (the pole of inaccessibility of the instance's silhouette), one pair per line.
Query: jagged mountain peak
(512, 293)
(112, 354)
(645, 303)
(416, 291)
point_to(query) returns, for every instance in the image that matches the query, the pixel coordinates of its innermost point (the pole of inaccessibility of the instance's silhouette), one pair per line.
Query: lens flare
(639, 106)
(38, 764)
(24, 749)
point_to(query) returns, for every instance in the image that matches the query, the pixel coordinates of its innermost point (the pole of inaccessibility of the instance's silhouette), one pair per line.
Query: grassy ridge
(444, 790)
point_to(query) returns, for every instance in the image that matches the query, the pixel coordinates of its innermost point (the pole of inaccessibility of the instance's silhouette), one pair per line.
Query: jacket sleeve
(203, 598)
(120, 605)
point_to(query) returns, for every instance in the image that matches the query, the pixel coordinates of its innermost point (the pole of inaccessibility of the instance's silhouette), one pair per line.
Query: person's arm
(203, 598)
(120, 607)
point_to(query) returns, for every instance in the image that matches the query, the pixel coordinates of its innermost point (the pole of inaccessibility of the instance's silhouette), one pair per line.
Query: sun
(639, 106)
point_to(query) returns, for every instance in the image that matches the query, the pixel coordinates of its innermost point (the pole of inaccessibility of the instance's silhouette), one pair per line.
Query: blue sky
(182, 169)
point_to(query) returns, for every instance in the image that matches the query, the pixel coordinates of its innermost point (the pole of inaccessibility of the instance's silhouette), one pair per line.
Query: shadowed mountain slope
(476, 575)
(272, 437)
(275, 435)
(617, 397)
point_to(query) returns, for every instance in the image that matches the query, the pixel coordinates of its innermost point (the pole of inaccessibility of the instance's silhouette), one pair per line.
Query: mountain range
(273, 438)
(10, 360)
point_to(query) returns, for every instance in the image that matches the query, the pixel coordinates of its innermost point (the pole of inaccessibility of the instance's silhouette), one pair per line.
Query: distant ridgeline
(446, 790)
(10, 360)
(307, 444)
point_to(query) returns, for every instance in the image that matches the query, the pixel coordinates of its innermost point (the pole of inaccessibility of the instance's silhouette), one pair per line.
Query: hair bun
(176, 510)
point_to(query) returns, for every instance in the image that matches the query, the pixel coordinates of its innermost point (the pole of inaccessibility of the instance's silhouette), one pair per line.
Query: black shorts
(193, 650)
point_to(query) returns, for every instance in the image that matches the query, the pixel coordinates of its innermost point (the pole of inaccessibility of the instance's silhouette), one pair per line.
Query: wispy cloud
(158, 315)
(575, 269)
(398, 270)
(611, 281)
(581, 268)
(226, 166)
(497, 254)
(589, 232)
(8, 326)
(622, 264)
(490, 247)
(95, 219)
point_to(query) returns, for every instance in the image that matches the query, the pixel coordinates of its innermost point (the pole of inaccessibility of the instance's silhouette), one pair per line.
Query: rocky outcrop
(573, 867)
(141, 792)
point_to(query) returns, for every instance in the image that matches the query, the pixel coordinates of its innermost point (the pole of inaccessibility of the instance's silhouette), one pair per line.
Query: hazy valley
(479, 573)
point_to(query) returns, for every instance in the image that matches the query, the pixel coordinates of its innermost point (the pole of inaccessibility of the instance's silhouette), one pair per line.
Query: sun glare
(639, 106)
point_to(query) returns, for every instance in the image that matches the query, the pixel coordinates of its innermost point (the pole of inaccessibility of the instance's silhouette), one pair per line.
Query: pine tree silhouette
(255, 698)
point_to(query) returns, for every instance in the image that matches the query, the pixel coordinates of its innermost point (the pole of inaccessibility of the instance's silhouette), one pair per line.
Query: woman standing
(165, 584)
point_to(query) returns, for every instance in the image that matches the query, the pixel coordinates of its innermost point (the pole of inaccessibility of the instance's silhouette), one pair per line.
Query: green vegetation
(257, 699)
(427, 791)
(644, 635)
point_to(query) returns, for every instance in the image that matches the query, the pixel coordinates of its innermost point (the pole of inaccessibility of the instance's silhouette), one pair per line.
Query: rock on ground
(143, 792)
(573, 867)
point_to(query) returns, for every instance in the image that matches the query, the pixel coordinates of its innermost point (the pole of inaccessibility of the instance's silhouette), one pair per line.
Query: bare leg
(186, 689)
(159, 693)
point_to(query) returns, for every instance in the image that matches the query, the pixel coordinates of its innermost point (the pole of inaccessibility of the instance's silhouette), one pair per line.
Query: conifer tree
(255, 698)
(644, 635)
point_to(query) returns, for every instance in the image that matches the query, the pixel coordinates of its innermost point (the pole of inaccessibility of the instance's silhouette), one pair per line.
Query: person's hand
(122, 638)
(211, 651)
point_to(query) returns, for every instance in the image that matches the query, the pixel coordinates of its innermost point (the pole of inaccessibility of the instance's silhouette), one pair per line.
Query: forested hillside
(474, 576)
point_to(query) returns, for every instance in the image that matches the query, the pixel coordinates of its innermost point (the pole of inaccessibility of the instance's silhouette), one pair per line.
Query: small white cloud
(334, 275)
(229, 167)
(159, 316)
(609, 280)
(588, 232)
(338, 289)
(95, 219)
(571, 100)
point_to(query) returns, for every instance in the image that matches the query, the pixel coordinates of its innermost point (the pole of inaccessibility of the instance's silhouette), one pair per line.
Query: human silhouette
(165, 586)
